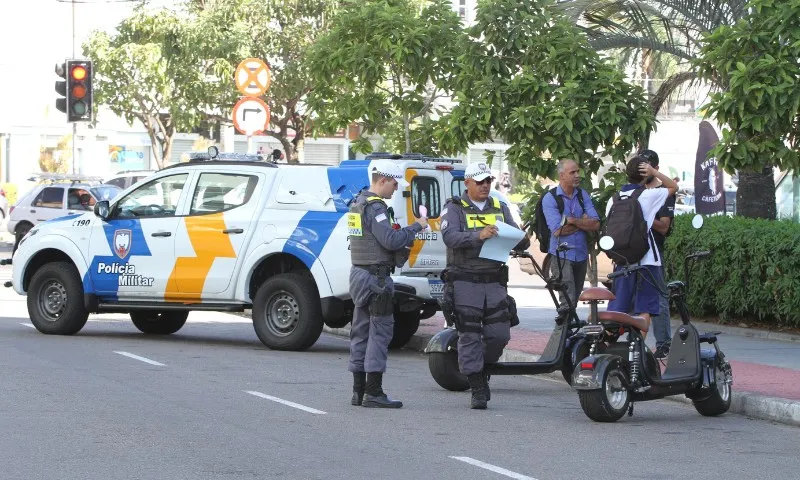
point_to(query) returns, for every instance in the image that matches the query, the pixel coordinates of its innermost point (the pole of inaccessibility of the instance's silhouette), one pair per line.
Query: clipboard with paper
(498, 248)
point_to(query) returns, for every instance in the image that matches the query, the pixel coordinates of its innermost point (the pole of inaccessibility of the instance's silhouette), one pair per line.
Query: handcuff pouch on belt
(381, 303)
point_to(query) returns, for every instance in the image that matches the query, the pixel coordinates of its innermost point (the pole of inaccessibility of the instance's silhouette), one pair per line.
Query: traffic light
(76, 88)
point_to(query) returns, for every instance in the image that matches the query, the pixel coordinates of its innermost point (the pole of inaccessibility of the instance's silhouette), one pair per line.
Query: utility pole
(74, 124)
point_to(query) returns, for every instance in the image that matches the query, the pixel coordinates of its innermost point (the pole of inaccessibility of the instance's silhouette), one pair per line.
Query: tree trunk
(592, 269)
(166, 151)
(755, 197)
(300, 148)
(289, 152)
(407, 131)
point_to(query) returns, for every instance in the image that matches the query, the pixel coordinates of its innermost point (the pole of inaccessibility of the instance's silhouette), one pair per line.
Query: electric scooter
(617, 374)
(564, 348)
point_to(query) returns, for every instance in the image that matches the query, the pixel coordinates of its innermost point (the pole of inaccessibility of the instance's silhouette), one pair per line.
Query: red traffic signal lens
(78, 91)
(79, 73)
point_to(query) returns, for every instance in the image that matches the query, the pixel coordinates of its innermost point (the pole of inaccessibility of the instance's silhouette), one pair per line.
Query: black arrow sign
(244, 112)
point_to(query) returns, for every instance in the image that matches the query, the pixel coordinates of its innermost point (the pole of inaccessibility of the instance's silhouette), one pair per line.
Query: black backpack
(540, 228)
(627, 226)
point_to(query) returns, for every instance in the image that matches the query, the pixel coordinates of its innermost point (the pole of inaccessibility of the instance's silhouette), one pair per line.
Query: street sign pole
(251, 115)
(74, 124)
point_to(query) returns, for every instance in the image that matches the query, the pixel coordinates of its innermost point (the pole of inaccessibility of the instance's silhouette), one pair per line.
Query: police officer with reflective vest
(475, 294)
(377, 246)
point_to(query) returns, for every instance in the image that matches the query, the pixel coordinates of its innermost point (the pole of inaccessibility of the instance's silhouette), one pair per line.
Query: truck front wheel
(405, 326)
(287, 313)
(55, 299)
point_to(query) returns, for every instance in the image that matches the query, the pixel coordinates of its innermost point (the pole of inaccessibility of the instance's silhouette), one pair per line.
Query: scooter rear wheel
(444, 369)
(720, 399)
(610, 402)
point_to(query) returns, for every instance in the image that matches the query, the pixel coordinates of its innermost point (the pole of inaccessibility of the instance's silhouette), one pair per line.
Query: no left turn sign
(251, 116)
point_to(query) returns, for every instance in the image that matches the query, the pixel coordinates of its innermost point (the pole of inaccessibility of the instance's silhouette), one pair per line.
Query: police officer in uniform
(376, 248)
(476, 287)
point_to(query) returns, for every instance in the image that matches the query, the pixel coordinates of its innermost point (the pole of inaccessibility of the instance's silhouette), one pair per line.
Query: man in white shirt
(638, 293)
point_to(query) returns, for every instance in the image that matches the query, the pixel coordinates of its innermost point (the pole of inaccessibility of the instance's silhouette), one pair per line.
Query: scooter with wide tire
(616, 374)
(565, 347)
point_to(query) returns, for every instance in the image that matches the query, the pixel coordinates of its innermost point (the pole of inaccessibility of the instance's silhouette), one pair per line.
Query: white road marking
(286, 402)
(141, 359)
(493, 468)
(27, 325)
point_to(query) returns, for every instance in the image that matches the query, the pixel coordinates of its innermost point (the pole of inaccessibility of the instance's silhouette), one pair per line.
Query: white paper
(498, 248)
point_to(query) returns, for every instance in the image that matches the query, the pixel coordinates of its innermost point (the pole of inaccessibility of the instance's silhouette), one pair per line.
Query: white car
(127, 178)
(228, 236)
(51, 200)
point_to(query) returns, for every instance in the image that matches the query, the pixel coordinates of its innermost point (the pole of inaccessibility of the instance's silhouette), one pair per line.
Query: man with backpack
(629, 217)
(662, 227)
(568, 214)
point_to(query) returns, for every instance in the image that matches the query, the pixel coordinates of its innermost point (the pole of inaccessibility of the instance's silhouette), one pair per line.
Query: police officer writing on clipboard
(376, 248)
(475, 295)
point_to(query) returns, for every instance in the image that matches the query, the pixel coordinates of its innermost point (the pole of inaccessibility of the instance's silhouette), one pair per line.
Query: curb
(750, 404)
(744, 332)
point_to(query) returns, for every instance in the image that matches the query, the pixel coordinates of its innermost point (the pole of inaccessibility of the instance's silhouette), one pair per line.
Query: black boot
(486, 377)
(359, 384)
(478, 383)
(374, 396)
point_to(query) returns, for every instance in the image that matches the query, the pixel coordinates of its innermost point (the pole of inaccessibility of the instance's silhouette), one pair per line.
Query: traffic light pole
(74, 125)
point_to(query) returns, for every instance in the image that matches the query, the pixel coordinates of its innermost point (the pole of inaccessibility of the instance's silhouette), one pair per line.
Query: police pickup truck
(229, 233)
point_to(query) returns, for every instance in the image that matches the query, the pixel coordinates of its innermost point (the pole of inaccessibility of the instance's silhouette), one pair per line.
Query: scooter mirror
(697, 222)
(213, 151)
(606, 243)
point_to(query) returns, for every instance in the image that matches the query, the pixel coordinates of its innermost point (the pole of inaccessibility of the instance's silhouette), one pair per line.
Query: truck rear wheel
(287, 313)
(55, 299)
(159, 323)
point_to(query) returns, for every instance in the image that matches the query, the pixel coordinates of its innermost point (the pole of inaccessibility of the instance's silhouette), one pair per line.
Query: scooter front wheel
(720, 399)
(608, 403)
(444, 369)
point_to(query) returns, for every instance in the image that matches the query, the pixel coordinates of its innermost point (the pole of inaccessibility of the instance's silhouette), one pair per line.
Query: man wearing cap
(376, 248)
(477, 286)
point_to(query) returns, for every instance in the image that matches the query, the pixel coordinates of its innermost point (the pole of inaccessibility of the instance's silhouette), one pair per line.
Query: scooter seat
(708, 337)
(596, 293)
(638, 323)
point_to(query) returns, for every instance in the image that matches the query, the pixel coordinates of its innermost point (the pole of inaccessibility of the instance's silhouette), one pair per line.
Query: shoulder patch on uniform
(444, 212)
(380, 218)
(444, 224)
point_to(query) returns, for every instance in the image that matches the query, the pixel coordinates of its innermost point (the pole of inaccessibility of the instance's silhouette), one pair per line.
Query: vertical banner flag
(709, 193)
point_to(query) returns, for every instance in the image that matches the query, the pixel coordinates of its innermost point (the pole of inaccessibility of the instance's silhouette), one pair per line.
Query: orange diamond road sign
(252, 77)
(251, 116)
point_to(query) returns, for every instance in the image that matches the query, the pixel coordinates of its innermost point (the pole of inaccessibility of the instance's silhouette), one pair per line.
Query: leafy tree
(530, 77)
(663, 36)
(756, 60)
(174, 70)
(385, 64)
(277, 31)
(146, 72)
(673, 30)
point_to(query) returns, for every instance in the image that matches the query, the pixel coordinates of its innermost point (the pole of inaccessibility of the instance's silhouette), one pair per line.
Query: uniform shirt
(651, 200)
(579, 250)
(454, 226)
(376, 220)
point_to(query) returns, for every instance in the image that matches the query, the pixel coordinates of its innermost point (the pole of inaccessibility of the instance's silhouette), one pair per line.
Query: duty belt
(500, 276)
(379, 270)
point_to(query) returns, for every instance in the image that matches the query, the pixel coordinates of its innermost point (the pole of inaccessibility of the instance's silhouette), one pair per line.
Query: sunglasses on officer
(485, 181)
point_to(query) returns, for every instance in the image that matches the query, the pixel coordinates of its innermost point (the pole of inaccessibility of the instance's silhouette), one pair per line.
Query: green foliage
(756, 61)
(530, 77)
(173, 70)
(752, 272)
(384, 64)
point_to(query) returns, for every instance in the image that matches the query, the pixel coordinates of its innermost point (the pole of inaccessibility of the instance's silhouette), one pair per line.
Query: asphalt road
(211, 403)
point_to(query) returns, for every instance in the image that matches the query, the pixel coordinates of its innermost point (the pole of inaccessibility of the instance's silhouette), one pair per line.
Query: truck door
(429, 188)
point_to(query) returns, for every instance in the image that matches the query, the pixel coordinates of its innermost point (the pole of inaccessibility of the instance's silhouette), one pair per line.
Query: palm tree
(653, 33)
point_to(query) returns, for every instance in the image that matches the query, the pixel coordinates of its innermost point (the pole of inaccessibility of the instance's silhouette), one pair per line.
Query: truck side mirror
(102, 210)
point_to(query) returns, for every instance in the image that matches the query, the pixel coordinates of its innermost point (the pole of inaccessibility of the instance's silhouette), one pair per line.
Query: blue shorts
(636, 293)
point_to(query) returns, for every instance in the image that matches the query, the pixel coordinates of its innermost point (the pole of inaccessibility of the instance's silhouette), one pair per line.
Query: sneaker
(661, 352)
